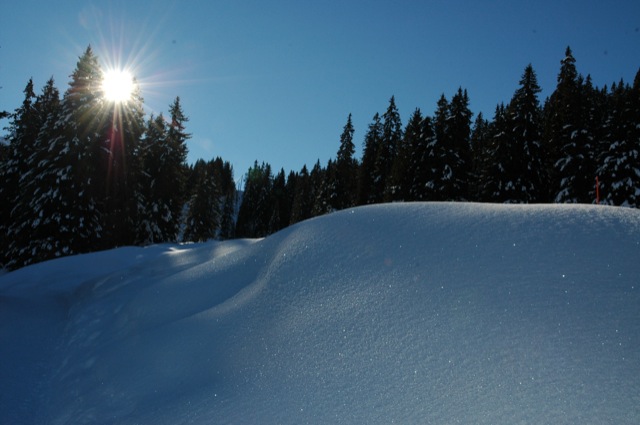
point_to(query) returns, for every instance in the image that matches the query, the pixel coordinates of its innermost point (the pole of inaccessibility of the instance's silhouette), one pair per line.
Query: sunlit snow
(404, 313)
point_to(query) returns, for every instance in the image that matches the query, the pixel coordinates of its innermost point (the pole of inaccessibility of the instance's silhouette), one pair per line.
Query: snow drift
(403, 313)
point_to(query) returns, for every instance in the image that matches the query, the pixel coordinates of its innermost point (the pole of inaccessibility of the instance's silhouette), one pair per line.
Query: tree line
(528, 153)
(81, 174)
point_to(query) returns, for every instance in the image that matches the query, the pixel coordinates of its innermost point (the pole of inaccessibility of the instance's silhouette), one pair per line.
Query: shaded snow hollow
(432, 313)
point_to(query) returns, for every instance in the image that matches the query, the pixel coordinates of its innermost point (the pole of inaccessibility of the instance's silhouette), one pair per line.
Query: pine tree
(404, 167)
(177, 136)
(458, 135)
(256, 207)
(448, 152)
(320, 180)
(386, 152)
(64, 199)
(163, 155)
(23, 131)
(619, 171)
(421, 163)
(36, 233)
(122, 162)
(281, 213)
(177, 141)
(514, 169)
(203, 216)
(345, 170)
(83, 127)
(158, 214)
(496, 160)
(302, 202)
(367, 172)
(436, 153)
(571, 139)
(479, 145)
(526, 174)
(228, 186)
(597, 110)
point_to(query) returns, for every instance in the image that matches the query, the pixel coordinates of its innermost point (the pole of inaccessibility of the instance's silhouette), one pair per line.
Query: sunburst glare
(117, 85)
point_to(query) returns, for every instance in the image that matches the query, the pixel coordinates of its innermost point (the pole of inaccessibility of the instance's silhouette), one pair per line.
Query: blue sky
(276, 80)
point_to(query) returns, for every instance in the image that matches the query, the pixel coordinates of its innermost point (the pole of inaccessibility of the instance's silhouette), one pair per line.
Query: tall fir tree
(35, 231)
(570, 138)
(436, 153)
(514, 169)
(367, 172)
(302, 201)
(404, 168)
(596, 109)
(281, 212)
(177, 140)
(386, 152)
(448, 151)
(320, 180)
(526, 173)
(69, 210)
(203, 215)
(346, 168)
(158, 221)
(85, 127)
(121, 162)
(496, 160)
(163, 154)
(228, 203)
(255, 210)
(619, 172)
(458, 135)
(479, 145)
(421, 167)
(23, 132)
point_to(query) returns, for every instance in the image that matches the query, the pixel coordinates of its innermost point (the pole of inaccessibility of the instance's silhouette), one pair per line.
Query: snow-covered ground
(404, 313)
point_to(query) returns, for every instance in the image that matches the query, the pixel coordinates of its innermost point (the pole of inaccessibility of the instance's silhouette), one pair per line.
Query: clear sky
(276, 80)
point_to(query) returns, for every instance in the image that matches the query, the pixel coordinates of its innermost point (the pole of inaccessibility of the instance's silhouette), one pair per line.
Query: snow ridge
(397, 313)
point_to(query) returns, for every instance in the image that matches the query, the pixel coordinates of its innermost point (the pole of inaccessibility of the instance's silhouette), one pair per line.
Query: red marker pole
(597, 190)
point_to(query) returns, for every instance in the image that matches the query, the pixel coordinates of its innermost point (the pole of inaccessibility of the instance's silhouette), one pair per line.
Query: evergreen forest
(80, 174)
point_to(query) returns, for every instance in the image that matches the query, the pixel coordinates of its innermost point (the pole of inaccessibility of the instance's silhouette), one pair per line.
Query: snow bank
(402, 313)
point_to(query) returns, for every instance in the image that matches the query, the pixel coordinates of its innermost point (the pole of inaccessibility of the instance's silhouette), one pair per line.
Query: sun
(117, 85)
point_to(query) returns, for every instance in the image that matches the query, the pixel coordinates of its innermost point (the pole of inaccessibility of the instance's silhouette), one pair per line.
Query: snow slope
(405, 313)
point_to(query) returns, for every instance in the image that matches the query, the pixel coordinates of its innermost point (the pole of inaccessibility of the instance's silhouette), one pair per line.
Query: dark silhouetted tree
(448, 151)
(320, 181)
(496, 161)
(71, 209)
(228, 186)
(14, 211)
(405, 166)
(302, 197)
(458, 136)
(121, 163)
(479, 144)
(281, 211)
(386, 152)
(346, 169)
(527, 174)
(203, 214)
(256, 208)
(619, 171)
(367, 173)
(571, 139)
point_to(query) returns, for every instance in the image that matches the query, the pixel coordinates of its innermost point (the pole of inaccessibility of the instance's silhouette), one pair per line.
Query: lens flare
(117, 85)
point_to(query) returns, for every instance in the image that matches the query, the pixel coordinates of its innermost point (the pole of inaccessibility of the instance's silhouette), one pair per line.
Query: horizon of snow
(397, 313)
